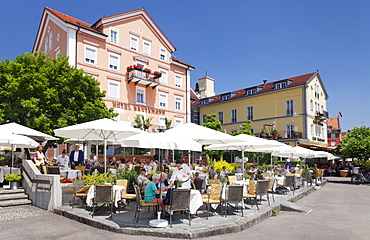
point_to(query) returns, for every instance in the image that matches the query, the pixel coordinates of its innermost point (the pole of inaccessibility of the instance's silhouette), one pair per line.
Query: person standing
(76, 157)
(181, 174)
(63, 159)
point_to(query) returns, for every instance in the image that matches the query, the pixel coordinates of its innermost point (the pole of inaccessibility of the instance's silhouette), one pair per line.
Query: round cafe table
(71, 174)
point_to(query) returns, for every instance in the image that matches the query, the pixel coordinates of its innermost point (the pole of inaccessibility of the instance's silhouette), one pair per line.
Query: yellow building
(295, 107)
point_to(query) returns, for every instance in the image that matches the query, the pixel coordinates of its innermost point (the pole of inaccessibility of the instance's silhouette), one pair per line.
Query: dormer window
(225, 97)
(280, 85)
(250, 92)
(204, 101)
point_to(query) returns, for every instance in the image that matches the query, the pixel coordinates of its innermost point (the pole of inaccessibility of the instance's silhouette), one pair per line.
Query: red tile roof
(182, 62)
(74, 21)
(302, 79)
(334, 123)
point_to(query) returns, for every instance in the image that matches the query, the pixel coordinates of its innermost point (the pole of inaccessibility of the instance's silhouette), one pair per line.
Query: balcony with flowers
(138, 74)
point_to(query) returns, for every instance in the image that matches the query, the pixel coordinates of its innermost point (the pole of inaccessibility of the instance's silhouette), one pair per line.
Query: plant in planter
(14, 180)
(263, 134)
(130, 68)
(136, 67)
(275, 134)
(147, 70)
(157, 74)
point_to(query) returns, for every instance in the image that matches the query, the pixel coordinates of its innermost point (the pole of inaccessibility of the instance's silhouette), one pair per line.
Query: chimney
(264, 81)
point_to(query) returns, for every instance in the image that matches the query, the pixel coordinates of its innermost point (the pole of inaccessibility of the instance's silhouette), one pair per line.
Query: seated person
(284, 171)
(223, 173)
(163, 183)
(151, 190)
(297, 168)
(212, 173)
(142, 180)
(63, 159)
(167, 172)
(270, 172)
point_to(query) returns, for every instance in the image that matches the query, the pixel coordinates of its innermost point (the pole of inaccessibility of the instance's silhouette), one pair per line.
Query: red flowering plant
(137, 67)
(67, 180)
(157, 74)
(130, 68)
(147, 70)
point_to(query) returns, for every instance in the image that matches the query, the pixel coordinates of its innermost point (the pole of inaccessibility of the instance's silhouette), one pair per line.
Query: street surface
(340, 211)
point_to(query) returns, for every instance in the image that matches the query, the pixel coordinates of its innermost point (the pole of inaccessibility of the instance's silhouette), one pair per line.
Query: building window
(162, 121)
(318, 130)
(134, 43)
(57, 54)
(140, 95)
(251, 92)
(164, 77)
(312, 130)
(333, 135)
(249, 113)
(114, 35)
(204, 101)
(163, 100)
(162, 54)
(113, 61)
(113, 89)
(178, 101)
(311, 104)
(178, 122)
(50, 41)
(178, 80)
(289, 130)
(233, 115)
(289, 107)
(323, 132)
(147, 48)
(204, 119)
(225, 97)
(90, 54)
(46, 45)
(221, 117)
(333, 143)
(280, 85)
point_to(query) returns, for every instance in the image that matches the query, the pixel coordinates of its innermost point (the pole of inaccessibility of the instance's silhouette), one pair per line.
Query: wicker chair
(80, 191)
(124, 195)
(140, 203)
(258, 189)
(232, 180)
(213, 197)
(103, 195)
(213, 181)
(289, 182)
(234, 195)
(271, 188)
(179, 201)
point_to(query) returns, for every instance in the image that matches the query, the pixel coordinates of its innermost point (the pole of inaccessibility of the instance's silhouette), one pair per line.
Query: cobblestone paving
(17, 212)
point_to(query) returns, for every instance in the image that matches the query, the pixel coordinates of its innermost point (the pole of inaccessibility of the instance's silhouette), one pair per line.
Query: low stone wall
(46, 196)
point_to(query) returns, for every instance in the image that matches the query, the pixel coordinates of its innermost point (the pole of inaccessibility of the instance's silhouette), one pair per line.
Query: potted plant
(147, 70)
(136, 67)
(130, 68)
(275, 134)
(157, 74)
(14, 180)
(263, 134)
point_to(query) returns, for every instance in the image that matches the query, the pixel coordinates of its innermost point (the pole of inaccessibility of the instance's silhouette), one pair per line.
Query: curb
(232, 227)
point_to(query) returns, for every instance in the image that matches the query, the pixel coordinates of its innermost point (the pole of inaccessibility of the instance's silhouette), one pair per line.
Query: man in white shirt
(63, 159)
(181, 173)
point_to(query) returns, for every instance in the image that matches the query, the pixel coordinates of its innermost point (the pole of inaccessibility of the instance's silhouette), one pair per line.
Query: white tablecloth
(71, 174)
(245, 184)
(195, 201)
(117, 191)
(6, 170)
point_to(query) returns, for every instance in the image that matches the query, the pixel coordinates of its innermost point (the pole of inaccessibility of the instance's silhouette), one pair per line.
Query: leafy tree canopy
(45, 94)
(246, 129)
(212, 122)
(356, 143)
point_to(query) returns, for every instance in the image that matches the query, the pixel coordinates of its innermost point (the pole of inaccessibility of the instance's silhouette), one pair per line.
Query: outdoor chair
(259, 189)
(306, 177)
(213, 181)
(234, 195)
(289, 182)
(53, 170)
(103, 195)
(213, 196)
(271, 188)
(140, 204)
(232, 180)
(98, 168)
(81, 168)
(251, 193)
(299, 172)
(124, 194)
(198, 184)
(80, 191)
(179, 201)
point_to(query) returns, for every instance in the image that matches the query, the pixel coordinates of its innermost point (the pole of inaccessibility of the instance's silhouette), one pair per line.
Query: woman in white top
(270, 172)
(39, 157)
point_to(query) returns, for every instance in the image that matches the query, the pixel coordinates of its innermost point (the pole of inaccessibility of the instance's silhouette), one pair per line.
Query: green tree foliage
(356, 143)
(246, 129)
(45, 94)
(168, 123)
(142, 122)
(212, 122)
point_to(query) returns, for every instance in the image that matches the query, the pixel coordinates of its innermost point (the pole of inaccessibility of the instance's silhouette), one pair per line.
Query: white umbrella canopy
(293, 152)
(11, 140)
(160, 141)
(16, 128)
(202, 135)
(102, 129)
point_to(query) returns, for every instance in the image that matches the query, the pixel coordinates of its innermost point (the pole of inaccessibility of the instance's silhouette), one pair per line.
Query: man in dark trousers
(76, 157)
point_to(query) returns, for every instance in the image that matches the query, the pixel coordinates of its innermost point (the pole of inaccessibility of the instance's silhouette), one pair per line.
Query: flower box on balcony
(140, 68)
(157, 74)
(147, 70)
(130, 68)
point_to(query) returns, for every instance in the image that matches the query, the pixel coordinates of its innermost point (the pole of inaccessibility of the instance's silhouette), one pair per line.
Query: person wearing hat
(142, 180)
(297, 168)
(181, 174)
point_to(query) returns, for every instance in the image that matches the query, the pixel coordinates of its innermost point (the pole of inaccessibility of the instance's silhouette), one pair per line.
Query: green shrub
(16, 177)
(99, 178)
(130, 175)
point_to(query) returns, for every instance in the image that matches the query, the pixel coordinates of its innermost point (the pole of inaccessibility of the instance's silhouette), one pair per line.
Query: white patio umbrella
(102, 129)
(247, 143)
(16, 128)
(293, 152)
(13, 141)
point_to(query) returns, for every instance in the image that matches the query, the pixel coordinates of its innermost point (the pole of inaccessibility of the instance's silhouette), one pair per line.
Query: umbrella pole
(105, 155)
(189, 158)
(10, 171)
(243, 164)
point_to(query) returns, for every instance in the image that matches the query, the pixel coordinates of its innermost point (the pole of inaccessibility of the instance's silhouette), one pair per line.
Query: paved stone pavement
(341, 211)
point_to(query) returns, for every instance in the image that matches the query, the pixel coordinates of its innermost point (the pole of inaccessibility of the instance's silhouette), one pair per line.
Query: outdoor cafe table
(117, 191)
(70, 173)
(6, 170)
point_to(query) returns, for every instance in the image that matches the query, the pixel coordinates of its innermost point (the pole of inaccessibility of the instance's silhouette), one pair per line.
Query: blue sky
(239, 43)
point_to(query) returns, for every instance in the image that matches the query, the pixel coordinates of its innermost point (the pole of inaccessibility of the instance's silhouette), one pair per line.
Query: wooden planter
(343, 173)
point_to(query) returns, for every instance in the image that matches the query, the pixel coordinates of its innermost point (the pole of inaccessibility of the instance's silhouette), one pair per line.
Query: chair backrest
(298, 172)
(251, 187)
(232, 180)
(103, 194)
(262, 187)
(53, 170)
(216, 191)
(289, 180)
(81, 168)
(198, 184)
(122, 182)
(321, 172)
(100, 169)
(138, 193)
(155, 168)
(271, 184)
(180, 199)
(239, 176)
(78, 185)
(234, 193)
(214, 181)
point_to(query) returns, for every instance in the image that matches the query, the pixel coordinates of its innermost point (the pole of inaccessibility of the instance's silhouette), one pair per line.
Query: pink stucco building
(105, 50)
